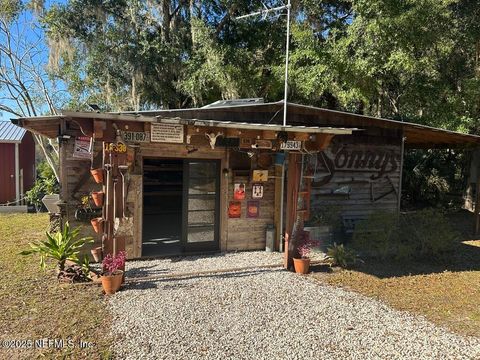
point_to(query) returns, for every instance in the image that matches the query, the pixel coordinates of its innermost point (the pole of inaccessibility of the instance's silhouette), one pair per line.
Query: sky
(27, 35)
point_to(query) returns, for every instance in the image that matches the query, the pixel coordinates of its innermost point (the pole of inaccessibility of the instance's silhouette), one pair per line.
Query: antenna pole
(265, 12)
(287, 58)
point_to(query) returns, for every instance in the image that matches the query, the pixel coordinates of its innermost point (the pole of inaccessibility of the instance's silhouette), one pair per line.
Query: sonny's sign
(378, 161)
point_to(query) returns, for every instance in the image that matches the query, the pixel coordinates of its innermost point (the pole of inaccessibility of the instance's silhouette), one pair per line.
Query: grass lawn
(448, 295)
(35, 306)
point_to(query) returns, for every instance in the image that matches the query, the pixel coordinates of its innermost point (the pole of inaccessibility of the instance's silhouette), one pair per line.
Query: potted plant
(302, 264)
(97, 253)
(112, 275)
(97, 175)
(97, 197)
(85, 212)
(97, 224)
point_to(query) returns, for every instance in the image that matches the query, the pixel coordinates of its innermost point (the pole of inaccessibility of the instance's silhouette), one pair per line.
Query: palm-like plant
(61, 246)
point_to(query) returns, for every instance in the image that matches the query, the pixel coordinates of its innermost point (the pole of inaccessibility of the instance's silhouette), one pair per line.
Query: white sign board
(291, 145)
(167, 133)
(81, 149)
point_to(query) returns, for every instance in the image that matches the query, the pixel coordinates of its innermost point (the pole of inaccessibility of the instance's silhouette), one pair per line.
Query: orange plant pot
(97, 175)
(301, 265)
(97, 197)
(97, 224)
(97, 254)
(111, 283)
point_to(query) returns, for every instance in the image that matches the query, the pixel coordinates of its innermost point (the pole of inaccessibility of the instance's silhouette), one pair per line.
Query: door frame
(200, 246)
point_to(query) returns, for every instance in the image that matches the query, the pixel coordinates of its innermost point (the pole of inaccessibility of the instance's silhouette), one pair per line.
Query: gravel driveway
(267, 314)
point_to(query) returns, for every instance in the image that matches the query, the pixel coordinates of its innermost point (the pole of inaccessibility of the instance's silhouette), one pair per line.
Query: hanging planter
(97, 254)
(97, 197)
(97, 224)
(97, 175)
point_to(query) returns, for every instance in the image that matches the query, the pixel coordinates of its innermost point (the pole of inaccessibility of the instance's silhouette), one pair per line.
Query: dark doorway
(162, 207)
(180, 206)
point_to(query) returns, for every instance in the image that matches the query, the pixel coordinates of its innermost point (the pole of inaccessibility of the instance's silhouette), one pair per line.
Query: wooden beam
(278, 205)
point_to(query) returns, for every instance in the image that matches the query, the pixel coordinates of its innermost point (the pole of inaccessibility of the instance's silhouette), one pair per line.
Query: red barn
(17, 162)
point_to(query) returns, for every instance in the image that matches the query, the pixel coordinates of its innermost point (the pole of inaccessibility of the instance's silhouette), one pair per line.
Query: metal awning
(255, 126)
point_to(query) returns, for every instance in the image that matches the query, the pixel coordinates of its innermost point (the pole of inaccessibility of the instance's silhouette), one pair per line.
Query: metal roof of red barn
(10, 133)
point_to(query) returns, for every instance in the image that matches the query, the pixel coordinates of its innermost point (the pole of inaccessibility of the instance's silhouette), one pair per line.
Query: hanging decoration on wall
(257, 191)
(260, 176)
(239, 191)
(253, 209)
(234, 209)
(82, 148)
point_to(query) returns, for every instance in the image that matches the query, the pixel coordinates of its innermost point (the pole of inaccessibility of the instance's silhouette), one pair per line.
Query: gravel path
(268, 314)
(221, 261)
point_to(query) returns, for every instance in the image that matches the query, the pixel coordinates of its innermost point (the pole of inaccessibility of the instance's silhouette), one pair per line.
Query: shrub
(427, 234)
(45, 184)
(375, 236)
(61, 246)
(424, 234)
(342, 256)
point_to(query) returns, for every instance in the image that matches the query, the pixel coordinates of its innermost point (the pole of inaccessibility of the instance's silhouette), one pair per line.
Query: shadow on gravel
(156, 283)
(142, 271)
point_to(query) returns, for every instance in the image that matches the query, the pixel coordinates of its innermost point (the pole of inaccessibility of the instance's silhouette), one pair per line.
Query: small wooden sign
(135, 136)
(234, 209)
(253, 209)
(257, 191)
(291, 145)
(81, 149)
(239, 191)
(260, 176)
(167, 133)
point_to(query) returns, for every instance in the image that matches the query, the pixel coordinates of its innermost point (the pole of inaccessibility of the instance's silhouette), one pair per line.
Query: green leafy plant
(375, 236)
(61, 246)
(45, 184)
(342, 256)
(426, 234)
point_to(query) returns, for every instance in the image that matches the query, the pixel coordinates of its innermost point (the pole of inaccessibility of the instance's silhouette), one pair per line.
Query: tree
(25, 87)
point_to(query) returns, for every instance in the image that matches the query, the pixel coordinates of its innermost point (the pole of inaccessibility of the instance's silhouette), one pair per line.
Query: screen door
(201, 205)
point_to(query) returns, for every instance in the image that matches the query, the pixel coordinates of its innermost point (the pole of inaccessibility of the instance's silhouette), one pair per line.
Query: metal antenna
(264, 13)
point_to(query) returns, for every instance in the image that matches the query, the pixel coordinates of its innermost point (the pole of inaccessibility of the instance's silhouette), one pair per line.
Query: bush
(375, 236)
(424, 234)
(45, 184)
(427, 234)
(342, 256)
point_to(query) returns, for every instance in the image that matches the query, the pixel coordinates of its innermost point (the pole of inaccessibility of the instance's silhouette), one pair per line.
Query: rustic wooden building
(17, 162)
(212, 179)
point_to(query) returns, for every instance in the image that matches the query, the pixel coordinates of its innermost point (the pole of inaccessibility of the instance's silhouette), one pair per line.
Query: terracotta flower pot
(97, 224)
(97, 175)
(111, 283)
(97, 197)
(301, 265)
(97, 254)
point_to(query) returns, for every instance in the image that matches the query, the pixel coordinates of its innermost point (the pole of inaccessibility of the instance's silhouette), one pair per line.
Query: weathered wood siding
(76, 181)
(249, 233)
(356, 178)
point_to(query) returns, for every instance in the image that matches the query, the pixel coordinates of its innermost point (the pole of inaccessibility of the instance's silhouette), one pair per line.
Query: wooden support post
(277, 216)
(477, 206)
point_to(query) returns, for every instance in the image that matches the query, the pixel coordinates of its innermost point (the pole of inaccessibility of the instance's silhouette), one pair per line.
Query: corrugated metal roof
(10, 133)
